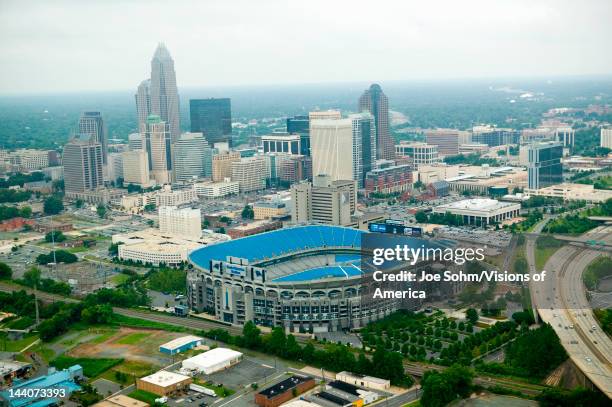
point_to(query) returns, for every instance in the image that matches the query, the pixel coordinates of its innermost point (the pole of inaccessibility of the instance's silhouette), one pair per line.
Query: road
(561, 301)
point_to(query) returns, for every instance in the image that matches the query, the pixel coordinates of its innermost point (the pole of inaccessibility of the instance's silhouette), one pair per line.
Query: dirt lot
(130, 344)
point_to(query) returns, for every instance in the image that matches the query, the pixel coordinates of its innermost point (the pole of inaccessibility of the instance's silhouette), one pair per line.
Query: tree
(32, 277)
(248, 212)
(471, 315)
(78, 203)
(536, 352)
(251, 335)
(55, 236)
(101, 210)
(53, 205)
(5, 271)
(440, 388)
(420, 217)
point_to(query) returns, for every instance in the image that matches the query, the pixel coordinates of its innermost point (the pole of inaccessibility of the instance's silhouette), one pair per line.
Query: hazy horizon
(71, 46)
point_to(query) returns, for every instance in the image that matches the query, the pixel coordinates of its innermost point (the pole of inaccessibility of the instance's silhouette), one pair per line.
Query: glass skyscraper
(545, 168)
(212, 117)
(300, 125)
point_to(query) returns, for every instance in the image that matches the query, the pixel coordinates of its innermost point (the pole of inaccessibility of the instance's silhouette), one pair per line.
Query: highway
(561, 302)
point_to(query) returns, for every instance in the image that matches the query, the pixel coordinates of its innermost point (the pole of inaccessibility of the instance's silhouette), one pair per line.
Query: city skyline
(412, 42)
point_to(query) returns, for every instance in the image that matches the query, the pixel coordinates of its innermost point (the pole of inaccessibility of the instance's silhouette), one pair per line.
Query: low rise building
(283, 391)
(269, 209)
(573, 192)
(163, 383)
(216, 189)
(212, 361)
(481, 211)
(65, 379)
(370, 382)
(253, 228)
(121, 400)
(395, 179)
(420, 153)
(181, 344)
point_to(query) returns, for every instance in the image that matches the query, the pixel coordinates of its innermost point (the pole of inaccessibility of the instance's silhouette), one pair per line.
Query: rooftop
(214, 356)
(121, 401)
(178, 342)
(477, 204)
(284, 386)
(164, 378)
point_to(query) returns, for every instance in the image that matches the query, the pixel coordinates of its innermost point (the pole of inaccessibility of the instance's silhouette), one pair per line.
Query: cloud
(96, 45)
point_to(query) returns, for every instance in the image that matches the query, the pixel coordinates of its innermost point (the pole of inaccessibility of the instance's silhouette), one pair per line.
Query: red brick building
(284, 391)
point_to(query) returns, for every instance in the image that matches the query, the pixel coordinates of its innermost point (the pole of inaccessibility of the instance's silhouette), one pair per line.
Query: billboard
(235, 269)
(396, 229)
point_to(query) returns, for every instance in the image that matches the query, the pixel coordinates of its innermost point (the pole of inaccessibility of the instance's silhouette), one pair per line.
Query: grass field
(542, 256)
(91, 367)
(131, 369)
(120, 278)
(103, 337)
(141, 323)
(144, 396)
(16, 346)
(132, 339)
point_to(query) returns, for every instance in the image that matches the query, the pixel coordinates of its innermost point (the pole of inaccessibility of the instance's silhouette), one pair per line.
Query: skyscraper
(331, 146)
(164, 93)
(92, 125)
(212, 117)
(300, 125)
(189, 156)
(157, 142)
(545, 168)
(364, 145)
(136, 168)
(375, 101)
(143, 102)
(82, 161)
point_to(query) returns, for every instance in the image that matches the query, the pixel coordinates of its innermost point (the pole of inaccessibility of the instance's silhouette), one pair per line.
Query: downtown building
(447, 140)
(389, 180)
(250, 173)
(300, 125)
(136, 168)
(493, 136)
(373, 100)
(419, 153)
(184, 222)
(83, 170)
(544, 168)
(157, 140)
(323, 201)
(221, 165)
(92, 125)
(189, 151)
(213, 118)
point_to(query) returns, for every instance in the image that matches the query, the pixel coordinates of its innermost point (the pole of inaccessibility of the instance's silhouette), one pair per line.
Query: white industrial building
(481, 211)
(364, 381)
(212, 361)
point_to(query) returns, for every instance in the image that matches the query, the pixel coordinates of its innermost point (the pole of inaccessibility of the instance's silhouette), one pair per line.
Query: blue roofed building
(30, 392)
(181, 344)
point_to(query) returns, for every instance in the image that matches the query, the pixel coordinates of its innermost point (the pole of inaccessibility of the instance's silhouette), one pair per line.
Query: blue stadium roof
(277, 243)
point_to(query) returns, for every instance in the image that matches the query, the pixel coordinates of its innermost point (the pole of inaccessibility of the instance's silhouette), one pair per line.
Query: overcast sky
(50, 46)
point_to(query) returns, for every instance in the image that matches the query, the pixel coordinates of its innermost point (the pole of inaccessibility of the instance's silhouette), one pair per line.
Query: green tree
(471, 315)
(251, 335)
(32, 277)
(248, 212)
(55, 236)
(53, 205)
(5, 271)
(78, 203)
(420, 217)
(101, 211)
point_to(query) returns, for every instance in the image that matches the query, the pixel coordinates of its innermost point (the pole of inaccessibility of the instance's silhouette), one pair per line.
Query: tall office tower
(143, 102)
(324, 114)
(300, 125)
(447, 140)
(164, 94)
(213, 118)
(207, 157)
(91, 124)
(136, 168)
(281, 143)
(185, 222)
(158, 145)
(189, 156)
(606, 138)
(364, 145)
(331, 146)
(135, 140)
(222, 165)
(82, 161)
(115, 166)
(323, 201)
(375, 101)
(545, 168)
(250, 173)
(294, 168)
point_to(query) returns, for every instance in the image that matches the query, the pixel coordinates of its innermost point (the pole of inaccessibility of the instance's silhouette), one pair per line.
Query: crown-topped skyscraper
(163, 90)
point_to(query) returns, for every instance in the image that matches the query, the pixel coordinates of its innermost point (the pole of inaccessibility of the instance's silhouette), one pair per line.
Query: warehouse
(213, 360)
(364, 381)
(284, 391)
(181, 344)
(163, 383)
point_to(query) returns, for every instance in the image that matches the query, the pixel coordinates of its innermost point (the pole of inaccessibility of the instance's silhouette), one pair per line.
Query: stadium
(304, 278)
